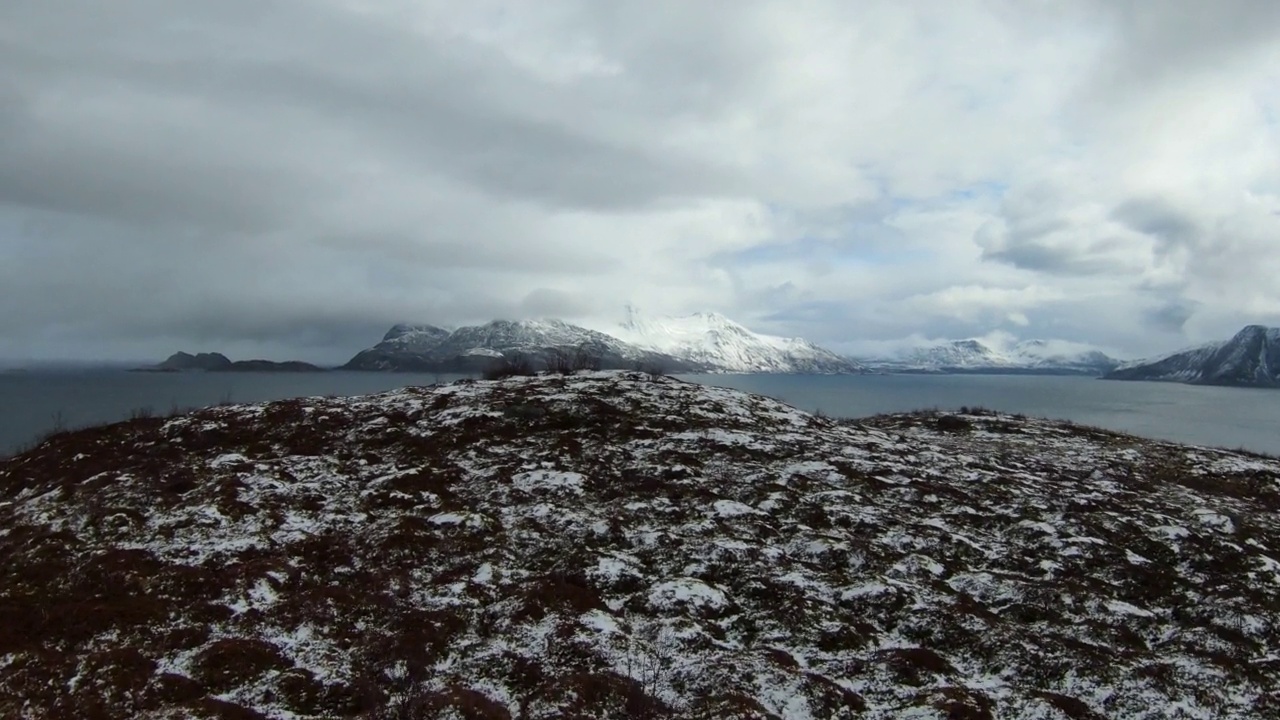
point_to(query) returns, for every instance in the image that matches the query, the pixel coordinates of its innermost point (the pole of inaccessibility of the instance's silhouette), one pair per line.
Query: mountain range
(428, 348)
(1044, 357)
(702, 342)
(709, 342)
(1250, 358)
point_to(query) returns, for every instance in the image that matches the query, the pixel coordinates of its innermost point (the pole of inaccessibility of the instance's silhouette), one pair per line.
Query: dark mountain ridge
(1251, 358)
(217, 362)
(475, 348)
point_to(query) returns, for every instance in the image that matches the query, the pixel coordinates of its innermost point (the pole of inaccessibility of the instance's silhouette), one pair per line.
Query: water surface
(1196, 414)
(32, 403)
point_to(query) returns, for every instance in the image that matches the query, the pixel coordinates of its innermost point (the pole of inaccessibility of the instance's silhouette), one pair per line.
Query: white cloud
(300, 174)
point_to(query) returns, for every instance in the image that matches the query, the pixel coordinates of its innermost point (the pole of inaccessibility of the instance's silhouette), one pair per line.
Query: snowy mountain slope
(611, 546)
(974, 355)
(474, 347)
(716, 341)
(1250, 358)
(704, 342)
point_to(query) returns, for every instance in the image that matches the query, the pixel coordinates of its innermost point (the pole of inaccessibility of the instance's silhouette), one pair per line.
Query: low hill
(183, 361)
(1038, 357)
(615, 545)
(217, 362)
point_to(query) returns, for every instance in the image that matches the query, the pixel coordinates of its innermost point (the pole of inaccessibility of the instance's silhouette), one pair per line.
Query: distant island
(1251, 358)
(217, 362)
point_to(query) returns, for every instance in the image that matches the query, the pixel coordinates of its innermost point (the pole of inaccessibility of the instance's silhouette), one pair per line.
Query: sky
(287, 178)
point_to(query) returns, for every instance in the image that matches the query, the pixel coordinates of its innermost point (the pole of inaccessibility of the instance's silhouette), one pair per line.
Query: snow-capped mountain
(1250, 358)
(703, 342)
(428, 348)
(979, 356)
(715, 341)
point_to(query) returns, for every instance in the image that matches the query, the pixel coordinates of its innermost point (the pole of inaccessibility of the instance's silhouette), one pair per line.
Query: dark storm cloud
(201, 170)
(1177, 37)
(1172, 226)
(1042, 240)
(222, 115)
(1171, 316)
(1033, 255)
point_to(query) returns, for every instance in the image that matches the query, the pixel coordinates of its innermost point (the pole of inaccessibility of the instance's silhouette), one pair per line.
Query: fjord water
(1228, 417)
(32, 403)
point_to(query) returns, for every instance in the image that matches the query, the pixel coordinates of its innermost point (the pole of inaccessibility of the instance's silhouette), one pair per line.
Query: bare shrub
(953, 423)
(515, 364)
(587, 357)
(653, 368)
(560, 362)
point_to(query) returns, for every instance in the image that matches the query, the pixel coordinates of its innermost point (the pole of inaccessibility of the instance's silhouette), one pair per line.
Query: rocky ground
(616, 545)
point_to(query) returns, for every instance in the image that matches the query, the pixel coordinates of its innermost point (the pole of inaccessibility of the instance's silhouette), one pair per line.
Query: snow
(686, 591)
(542, 481)
(732, 508)
(1214, 520)
(1123, 608)
(871, 588)
(711, 338)
(600, 622)
(997, 352)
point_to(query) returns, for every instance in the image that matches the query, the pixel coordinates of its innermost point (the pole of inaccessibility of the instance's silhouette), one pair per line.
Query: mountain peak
(400, 330)
(200, 361)
(712, 339)
(1256, 331)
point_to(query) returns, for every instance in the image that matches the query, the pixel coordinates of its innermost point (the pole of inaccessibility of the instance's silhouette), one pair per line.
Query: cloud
(290, 176)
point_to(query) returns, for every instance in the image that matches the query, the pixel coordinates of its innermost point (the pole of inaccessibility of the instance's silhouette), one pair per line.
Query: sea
(35, 402)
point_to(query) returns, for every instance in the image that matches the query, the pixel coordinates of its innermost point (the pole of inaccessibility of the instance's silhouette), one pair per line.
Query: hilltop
(625, 545)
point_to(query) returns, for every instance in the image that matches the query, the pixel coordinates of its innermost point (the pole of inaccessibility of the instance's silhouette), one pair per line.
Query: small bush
(953, 423)
(653, 368)
(516, 364)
